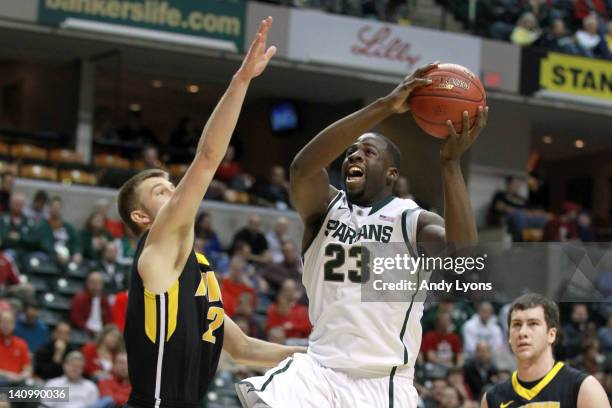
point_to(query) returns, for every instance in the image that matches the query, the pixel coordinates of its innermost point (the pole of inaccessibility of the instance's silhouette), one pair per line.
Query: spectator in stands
(401, 188)
(509, 205)
(9, 276)
(276, 237)
(209, 243)
(37, 211)
(557, 39)
(480, 371)
(229, 169)
(589, 40)
(287, 313)
(575, 330)
(584, 227)
(8, 183)
(150, 158)
(113, 226)
(90, 309)
(57, 237)
(15, 227)
(134, 131)
(289, 268)
(94, 236)
(482, 327)
(274, 192)
(460, 312)
(118, 385)
(127, 246)
(119, 309)
(455, 379)
(450, 398)
(527, 30)
(244, 312)
(441, 346)
(49, 358)
(590, 360)
(99, 355)
(31, 328)
(563, 227)
(15, 361)
(585, 8)
(252, 235)
(605, 335)
(114, 273)
(236, 283)
(83, 392)
(434, 399)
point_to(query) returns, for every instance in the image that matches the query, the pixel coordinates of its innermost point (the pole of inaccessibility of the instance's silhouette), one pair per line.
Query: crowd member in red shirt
(235, 285)
(99, 355)
(442, 346)
(8, 272)
(563, 227)
(288, 314)
(90, 309)
(229, 168)
(118, 386)
(15, 361)
(119, 308)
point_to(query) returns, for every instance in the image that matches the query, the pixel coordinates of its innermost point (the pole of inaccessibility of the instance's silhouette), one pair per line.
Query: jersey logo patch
(505, 404)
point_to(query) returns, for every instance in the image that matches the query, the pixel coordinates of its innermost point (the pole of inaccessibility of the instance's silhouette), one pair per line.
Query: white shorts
(301, 382)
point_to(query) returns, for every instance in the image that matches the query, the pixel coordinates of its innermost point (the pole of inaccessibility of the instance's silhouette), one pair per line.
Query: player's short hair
(127, 200)
(392, 150)
(532, 300)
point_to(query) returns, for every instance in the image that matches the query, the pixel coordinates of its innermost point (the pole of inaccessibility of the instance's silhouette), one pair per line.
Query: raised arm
(459, 224)
(310, 189)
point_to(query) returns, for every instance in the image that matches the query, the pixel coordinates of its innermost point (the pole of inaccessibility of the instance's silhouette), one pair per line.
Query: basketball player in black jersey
(540, 381)
(175, 324)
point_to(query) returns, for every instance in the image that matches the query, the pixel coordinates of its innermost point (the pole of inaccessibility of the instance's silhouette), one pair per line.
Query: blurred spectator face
(31, 312)
(277, 335)
(18, 202)
(485, 311)
(558, 28)
(230, 153)
(8, 182)
(528, 21)
(7, 322)
(73, 366)
(55, 209)
(96, 222)
(450, 398)
(111, 252)
(288, 291)
(236, 267)
(120, 366)
(580, 314)
(95, 283)
(242, 249)
(483, 352)
(62, 332)
(205, 222)
(111, 339)
(282, 226)
(529, 333)
(402, 187)
(254, 223)
(514, 186)
(444, 322)
(584, 220)
(590, 24)
(289, 252)
(437, 389)
(40, 200)
(277, 175)
(150, 157)
(245, 305)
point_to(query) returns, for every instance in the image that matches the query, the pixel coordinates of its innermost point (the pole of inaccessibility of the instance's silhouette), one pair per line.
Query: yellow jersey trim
(531, 393)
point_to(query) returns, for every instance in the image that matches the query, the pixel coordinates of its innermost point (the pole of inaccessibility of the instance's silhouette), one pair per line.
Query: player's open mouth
(354, 174)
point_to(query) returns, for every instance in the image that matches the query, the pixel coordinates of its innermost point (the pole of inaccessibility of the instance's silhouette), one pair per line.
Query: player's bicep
(592, 394)
(430, 228)
(310, 196)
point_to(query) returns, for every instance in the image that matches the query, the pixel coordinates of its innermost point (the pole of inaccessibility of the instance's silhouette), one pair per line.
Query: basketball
(454, 89)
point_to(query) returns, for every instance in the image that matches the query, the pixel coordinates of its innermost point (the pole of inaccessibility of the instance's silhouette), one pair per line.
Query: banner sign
(375, 46)
(222, 20)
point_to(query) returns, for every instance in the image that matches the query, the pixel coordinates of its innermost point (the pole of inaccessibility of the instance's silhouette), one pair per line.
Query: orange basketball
(454, 89)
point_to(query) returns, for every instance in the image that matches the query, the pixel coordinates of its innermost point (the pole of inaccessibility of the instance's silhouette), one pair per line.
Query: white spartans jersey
(364, 339)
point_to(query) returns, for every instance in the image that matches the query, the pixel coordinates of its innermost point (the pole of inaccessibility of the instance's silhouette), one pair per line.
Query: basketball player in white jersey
(361, 354)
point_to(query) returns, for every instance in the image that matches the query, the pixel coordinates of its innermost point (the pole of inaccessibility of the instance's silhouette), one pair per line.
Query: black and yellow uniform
(173, 339)
(557, 389)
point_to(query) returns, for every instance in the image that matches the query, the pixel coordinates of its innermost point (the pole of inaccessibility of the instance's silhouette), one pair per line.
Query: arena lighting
(134, 107)
(156, 83)
(547, 139)
(145, 34)
(193, 89)
(579, 143)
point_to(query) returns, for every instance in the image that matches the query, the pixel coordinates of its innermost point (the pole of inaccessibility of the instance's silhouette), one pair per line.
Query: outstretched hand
(257, 58)
(398, 98)
(456, 145)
